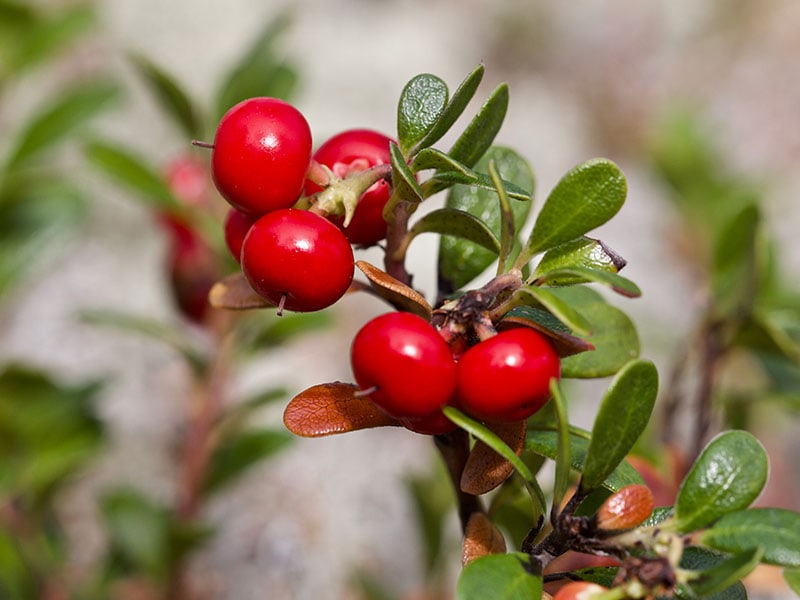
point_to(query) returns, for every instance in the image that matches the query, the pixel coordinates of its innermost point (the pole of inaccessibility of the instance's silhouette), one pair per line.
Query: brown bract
(481, 538)
(395, 292)
(331, 408)
(234, 293)
(485, 468)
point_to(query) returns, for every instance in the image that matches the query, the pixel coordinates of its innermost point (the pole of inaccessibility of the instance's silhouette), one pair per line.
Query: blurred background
(115, 383)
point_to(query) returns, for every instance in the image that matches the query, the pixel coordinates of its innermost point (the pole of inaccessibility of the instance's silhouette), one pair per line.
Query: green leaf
(499, 577)
(488, 437)
(68, 113)
(444, 179)
(173, 336)
(792, 577)
(49, 35)
(259, 71)
(776, 530)
(563, 460)
(621, 419)
(575, 275)
(735, 274)
(545, 443)
(460, 261)
(449, 115)
(237, 454)
(614, 335)
(172, 97)
(459, 224)
(133, 172)
(478, 136)
(563, 311)
(698, 558)
(727, 476)
(139, 531)
(422, 103)
(725, 574)
(583, 252)
(404, 184)
(585, 198)
(33, 219)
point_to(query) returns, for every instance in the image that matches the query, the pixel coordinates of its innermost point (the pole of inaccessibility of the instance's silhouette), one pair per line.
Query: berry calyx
(349, 152)
(262, 149)
(297, 260)
(406, 364)
(507, 377)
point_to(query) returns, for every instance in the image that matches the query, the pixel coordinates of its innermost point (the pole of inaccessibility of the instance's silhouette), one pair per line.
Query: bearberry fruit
(434, 424)
(507, 377)
(237, 224)
(297, 260)
(352, 151)
(629, 507)
(404, 364)
(262, 149)
(579, 590)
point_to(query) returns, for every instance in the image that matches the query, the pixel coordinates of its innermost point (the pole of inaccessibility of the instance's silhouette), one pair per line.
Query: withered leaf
(234, 293)
(330, 408)
(481, 538)
(396, 293)
(485, 468)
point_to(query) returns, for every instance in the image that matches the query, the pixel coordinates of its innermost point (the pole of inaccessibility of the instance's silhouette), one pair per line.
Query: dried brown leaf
(396, 293)
(330, 408)
(234, 293)
(485, 468)
(481, 538)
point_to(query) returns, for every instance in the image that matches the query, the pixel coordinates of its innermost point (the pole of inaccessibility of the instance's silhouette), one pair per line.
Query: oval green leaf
(575, 275)
(133, 172)
(478, 136)
(457, 223)
(564, 312)
(499, 577)
(622, 417)
(545, 443)
(422, 103)
(727, 476)
(614, 335)
(71, 110)
(585, 198)
(776, 530)
(404, 184)
(171, 96)
(460, 261)
(466, 90)
(581, 252)
(723, 575)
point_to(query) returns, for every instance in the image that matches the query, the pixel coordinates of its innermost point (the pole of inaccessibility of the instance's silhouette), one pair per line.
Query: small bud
(627, 508)
(579, 590)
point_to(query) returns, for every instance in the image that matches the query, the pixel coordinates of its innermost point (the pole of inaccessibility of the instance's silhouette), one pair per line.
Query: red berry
(353, 151)
(262, 150)
(435, 424)
(507, 377)
(188, 179)
(237, 224)
(407, 364)
(579, 590)
(298, 258)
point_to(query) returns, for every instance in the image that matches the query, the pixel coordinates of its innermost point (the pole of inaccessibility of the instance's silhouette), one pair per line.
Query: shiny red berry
(353, 151)
(237, 224)
(405, 365)
(629, 507)
(507, 377)
(297, 260)
(579, 590)
(261, 154)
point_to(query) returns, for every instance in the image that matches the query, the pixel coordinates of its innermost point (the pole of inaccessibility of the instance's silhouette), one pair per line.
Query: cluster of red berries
(295, 259)
(408, 370)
